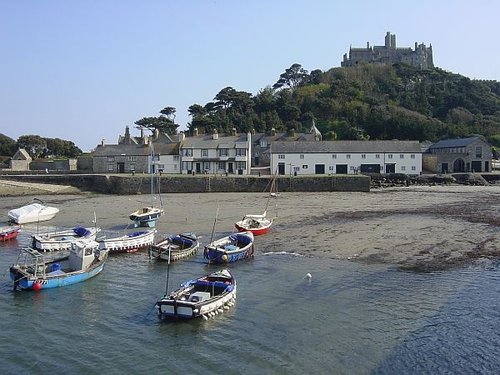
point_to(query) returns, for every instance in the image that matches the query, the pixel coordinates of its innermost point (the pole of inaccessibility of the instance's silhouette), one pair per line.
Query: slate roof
(138, 150)
(207, 141)
(282, 137)
(345, 147)
(452, 143)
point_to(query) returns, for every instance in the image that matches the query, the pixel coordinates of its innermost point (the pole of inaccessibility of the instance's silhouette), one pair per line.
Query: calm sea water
(349, 318)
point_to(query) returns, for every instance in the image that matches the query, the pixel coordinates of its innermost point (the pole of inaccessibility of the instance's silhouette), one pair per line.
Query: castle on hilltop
(420, 58)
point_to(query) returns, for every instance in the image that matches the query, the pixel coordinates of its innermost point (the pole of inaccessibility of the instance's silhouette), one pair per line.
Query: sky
(82, 71)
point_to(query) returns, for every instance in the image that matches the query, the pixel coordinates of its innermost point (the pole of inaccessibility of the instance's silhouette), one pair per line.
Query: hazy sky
(83, 70)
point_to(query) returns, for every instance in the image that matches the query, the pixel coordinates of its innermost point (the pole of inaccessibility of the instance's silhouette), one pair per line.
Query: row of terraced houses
(284, 153)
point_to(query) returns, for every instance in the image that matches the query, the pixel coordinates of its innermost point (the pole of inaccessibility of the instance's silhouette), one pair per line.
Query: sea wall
(133, 184)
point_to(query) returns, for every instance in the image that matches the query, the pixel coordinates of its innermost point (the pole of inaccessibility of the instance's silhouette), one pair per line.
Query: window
(241, 152)
(111, 158)
(412, 156)
(348, 156)
(363, 156)
(223, 152)
(240, 165)
(377, 156)
(331, 168)
(296, 169)
(160, 167)
(221, 165)
(111, 168)
(304, 166)
(263, 143)
(187, 152)
(132, 167)
(334, 156)
(403, 168)
(401, 156)
(131, 158)
(389, 156)
(413, 168)
(352, 168)
(176, 157)
(281, 156)
(302, 156)
(479, 152)
(204, 153)
(206, 165)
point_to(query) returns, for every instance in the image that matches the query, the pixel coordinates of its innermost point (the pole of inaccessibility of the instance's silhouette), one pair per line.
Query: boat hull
(229, 249)
(256, 231)
(129, 243)
(175, 248)
(48, 282)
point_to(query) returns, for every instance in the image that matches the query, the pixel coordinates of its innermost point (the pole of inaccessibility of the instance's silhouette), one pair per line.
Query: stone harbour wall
(133, 184)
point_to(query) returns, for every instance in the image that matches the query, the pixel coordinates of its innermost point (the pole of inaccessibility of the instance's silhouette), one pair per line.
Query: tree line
(367, 101)
(39, 147)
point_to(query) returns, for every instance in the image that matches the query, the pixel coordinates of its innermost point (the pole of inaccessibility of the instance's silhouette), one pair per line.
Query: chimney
(195, 131)
(253, 131)
(234, 132)
(156, 134)
(181, 136)
(102, 141)
(273, 132)
(215, 135)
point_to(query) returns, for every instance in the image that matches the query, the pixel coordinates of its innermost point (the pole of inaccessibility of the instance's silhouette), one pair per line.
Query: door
(476, 166)
(281, 168)
(230, 168)
(390, 168)
(319, 169)
(444, 168)
(198, 168)
(341, 169)
(121, 167)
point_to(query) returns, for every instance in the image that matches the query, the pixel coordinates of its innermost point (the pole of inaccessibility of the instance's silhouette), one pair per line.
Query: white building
(213, 153)
(346, 157)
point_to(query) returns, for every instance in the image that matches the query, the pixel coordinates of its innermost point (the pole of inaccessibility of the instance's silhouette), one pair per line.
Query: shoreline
(417, 228)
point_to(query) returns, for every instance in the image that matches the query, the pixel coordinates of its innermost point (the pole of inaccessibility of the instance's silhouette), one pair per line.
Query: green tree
(8, 146)
(291, 78)
(33, 144)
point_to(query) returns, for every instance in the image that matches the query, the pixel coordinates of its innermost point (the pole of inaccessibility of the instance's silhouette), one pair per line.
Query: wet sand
(422, 227)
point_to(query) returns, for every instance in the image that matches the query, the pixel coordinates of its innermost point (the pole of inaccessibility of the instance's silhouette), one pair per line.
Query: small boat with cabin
(35, 271)
(205, 297)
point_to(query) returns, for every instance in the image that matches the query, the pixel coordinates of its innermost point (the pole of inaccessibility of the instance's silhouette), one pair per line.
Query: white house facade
(216, 154)
(346, 157)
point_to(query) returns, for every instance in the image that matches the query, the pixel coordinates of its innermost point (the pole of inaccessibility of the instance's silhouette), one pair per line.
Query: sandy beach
(421, 227)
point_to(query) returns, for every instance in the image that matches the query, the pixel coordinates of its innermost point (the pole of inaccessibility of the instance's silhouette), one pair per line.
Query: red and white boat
(260, 223)
(9, 232)
(257, 224)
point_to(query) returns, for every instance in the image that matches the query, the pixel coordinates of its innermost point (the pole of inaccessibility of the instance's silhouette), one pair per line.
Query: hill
(367, 101)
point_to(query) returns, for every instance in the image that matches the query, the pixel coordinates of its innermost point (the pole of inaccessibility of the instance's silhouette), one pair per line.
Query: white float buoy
(308, 276)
